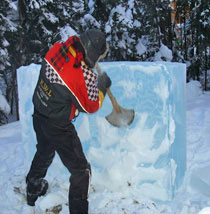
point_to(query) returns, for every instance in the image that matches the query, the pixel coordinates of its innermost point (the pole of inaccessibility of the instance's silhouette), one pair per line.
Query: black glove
(104, 82)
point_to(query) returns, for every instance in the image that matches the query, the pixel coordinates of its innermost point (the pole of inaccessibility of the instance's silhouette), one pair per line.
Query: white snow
(163, 52)
(5, 43)
(141, 49)
(91, 20)
(66, 32)
(4, 106)
(51, 17)
(191, 199)
(194, 87)
(205, 211)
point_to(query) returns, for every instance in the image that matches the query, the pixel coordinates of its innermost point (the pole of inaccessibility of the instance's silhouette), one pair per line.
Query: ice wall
(147, 158)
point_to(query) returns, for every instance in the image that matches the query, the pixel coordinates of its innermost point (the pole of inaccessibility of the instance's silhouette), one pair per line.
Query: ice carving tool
(119, 117)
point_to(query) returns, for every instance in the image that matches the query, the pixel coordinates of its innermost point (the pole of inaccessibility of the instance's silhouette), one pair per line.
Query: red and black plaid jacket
(66, 84)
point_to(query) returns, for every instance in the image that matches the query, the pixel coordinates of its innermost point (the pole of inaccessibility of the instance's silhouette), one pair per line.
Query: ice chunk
(147, 158)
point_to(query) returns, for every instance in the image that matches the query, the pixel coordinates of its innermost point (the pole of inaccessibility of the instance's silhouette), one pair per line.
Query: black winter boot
(35, 188)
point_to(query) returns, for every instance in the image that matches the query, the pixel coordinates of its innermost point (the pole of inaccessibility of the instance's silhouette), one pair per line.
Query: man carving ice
(66, 86)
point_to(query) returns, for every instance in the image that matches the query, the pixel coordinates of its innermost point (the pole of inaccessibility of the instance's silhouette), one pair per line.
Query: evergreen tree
(78, 9)
(135, 30)
(101, 11)
(156, 23)
(43, 22)
(39, 26)
(194, 44)
(119, 29)
(3, 42)
(200, 28)
(9, 50)
(4, 63)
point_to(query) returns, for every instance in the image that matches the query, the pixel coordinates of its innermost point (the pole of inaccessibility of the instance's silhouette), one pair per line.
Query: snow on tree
(118, 30)
(9, 49)
(199, 44)
(7, 28)
(4, 109)
(164, 54)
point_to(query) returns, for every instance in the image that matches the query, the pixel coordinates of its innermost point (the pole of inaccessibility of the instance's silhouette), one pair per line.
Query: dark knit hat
(94, 43)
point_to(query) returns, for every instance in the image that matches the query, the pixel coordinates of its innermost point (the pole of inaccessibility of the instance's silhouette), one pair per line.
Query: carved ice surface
(147, 158)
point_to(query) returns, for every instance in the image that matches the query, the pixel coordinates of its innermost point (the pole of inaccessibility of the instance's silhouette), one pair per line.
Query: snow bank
(194, 90)
(205, 211)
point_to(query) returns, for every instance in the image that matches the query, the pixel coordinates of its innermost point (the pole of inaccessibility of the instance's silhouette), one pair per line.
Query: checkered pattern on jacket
(90, 81)
(52, 76)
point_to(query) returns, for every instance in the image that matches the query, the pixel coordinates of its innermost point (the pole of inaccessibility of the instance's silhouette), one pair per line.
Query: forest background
(137, 30)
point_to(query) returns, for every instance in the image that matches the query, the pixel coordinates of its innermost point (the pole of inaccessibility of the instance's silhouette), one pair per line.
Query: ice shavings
(120, 159)
(52, 200)
(205, 210)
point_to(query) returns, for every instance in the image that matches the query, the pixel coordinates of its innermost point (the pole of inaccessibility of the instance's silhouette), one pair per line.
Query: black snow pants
(62, 138)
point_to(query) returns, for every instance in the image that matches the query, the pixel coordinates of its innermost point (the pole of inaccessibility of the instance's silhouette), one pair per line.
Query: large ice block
(147, 158)
(27, 77)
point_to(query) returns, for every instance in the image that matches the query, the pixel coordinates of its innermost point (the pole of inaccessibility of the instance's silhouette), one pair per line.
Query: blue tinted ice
(149, 156)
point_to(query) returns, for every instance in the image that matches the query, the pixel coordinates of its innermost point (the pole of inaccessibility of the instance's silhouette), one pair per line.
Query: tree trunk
(185, 34)
(21, 13)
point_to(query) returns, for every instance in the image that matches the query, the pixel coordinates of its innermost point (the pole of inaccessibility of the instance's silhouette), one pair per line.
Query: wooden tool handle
(111, 96)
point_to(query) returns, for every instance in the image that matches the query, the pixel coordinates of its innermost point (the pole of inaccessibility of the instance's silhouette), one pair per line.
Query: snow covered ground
(192, 198)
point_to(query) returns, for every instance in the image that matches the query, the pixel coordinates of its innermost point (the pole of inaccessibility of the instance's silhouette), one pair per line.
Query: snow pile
(205, 211)
(194, 90)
